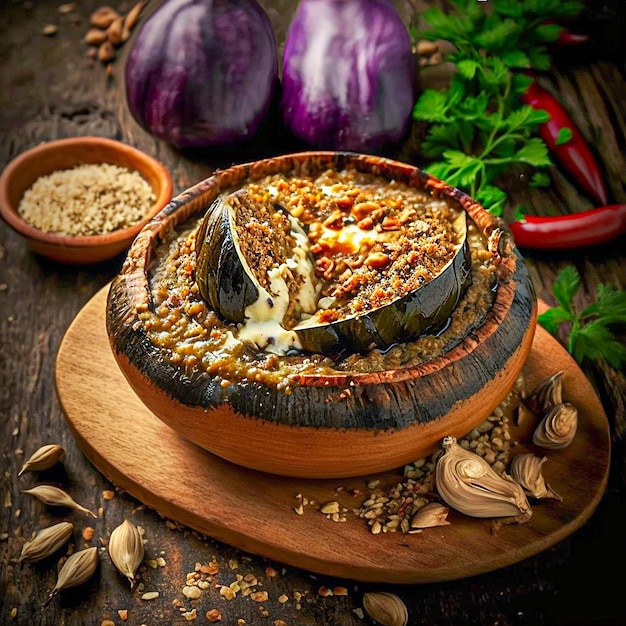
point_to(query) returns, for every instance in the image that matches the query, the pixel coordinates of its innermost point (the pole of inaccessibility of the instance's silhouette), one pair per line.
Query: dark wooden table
(48, 89)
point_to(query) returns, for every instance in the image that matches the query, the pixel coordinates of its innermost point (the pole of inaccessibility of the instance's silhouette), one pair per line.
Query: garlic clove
(526, 469)
(126, 549)
(43, 458)
(78, 568)
(546, 394)
(430, 515)
(53, 496)
(558, 427)
(467, 483)
(385, 608)
(46, 542)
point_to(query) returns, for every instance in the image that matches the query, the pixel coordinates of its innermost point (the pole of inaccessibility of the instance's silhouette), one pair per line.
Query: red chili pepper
(574, 154)
(566, 37)
(569, 38)
(587, 228)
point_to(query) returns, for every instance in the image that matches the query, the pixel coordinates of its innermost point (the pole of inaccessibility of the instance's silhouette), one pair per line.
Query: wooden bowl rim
(147, 163)
(500, 243)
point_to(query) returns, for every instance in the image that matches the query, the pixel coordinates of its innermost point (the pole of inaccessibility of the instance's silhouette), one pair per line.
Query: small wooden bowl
(349, 424)
(61, 154)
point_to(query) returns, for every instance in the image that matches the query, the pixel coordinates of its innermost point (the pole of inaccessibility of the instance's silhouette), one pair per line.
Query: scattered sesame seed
(150, 595)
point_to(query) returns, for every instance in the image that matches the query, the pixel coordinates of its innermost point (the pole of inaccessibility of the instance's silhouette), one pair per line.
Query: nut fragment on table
(103, 17)
(430, 515)
(109, 30)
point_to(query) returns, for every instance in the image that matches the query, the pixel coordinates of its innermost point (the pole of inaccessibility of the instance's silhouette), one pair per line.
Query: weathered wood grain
(50, 89)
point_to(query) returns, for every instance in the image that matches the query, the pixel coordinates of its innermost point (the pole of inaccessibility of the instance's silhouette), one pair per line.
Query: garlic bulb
(546, 394)
(470, 485)
(526, 469)
(558, 427)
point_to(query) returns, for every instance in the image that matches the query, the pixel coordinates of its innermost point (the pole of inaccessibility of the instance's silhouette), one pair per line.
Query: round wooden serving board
(255, 512)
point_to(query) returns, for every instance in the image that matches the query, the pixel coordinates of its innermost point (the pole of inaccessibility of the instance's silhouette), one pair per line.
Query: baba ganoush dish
(322, 249)
(284, 311)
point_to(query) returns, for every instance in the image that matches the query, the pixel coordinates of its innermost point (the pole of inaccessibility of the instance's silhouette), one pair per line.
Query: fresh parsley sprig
(592, 330)
(478, 127)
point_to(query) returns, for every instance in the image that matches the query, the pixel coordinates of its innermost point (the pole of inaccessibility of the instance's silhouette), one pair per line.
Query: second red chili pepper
(575, 230)
(573, 154)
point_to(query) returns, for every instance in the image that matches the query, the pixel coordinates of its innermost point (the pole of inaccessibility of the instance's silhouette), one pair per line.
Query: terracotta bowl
(61, 154)
(387, 418)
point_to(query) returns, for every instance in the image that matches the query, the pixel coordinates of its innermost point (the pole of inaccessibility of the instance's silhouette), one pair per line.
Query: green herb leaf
(431, 106)
(516, 59)
(610, 306)
(479, 126)
(492, 198)
(468, 67)
(592, 334)
(552, 318)
(595, 341)
(563, 136)
(565, 287)
(548, 32)
(458, 159)
(496, 37)
(519, 213)
(540, 179)
(534, 153)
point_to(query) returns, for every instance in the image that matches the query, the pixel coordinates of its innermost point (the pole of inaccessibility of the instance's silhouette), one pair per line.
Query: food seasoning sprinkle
(150, 595)
(88, 199)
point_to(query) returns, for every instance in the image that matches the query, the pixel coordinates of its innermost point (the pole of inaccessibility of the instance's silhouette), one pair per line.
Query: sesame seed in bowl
(82, 200)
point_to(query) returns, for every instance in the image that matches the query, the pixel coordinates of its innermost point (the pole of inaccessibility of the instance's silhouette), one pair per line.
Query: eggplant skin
(221, 278)
(426, 309)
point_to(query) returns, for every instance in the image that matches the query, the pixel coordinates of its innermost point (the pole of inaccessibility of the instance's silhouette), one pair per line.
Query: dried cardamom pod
(385, 608)
(53, 496)
(526, 469)
(46, 542)
(558, 427)
(126, 549)
(470, 485)
(43, 459)
(432, 514)
(76, 570)
(546, 394)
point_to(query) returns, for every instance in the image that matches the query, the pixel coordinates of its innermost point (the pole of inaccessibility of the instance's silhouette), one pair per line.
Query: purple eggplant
(348, 74)
(202, 73)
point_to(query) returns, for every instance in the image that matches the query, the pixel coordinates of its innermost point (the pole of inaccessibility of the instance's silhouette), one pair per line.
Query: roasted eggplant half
(253, 261)
(397, 299)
